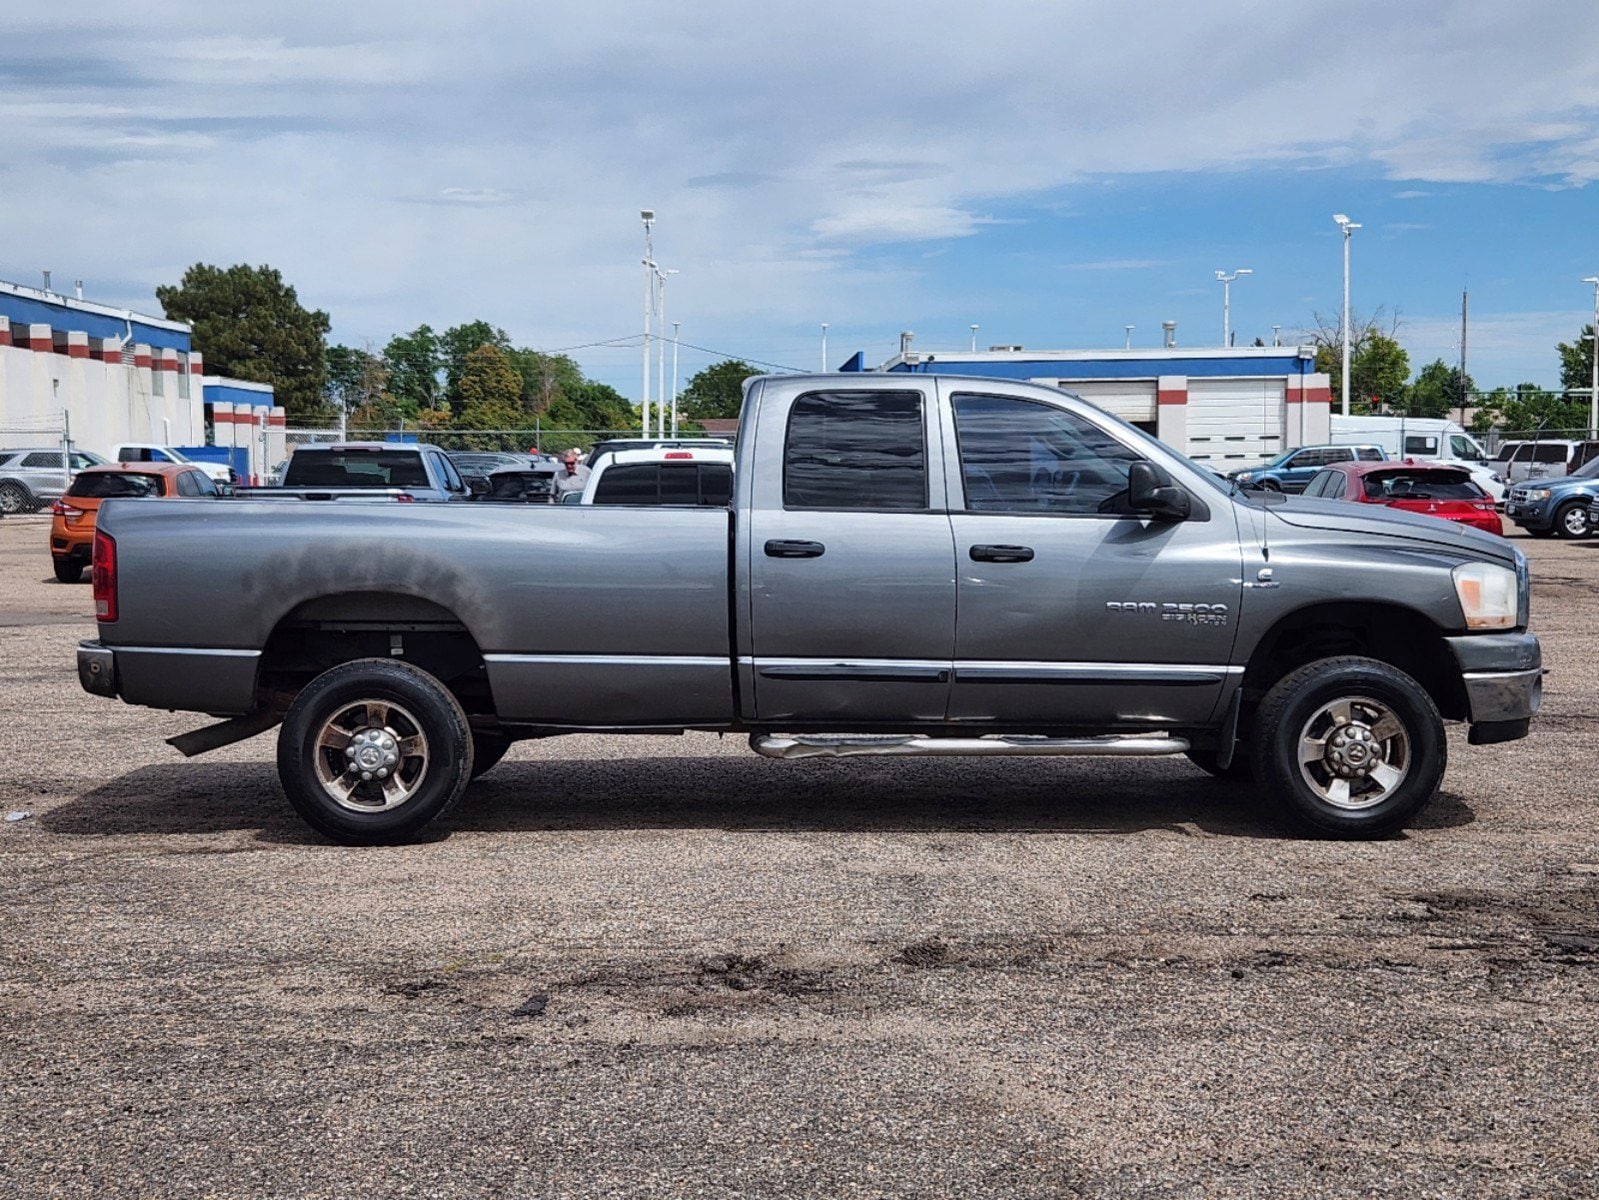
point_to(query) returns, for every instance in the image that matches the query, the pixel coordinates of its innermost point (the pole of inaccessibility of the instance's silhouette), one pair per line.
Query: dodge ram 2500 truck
(910, 565)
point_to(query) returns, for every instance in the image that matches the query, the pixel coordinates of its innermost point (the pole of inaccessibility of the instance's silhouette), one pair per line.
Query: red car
(1427, 488)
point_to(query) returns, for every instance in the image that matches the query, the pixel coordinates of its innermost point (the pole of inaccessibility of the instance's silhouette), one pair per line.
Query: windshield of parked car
(1588, 469)
(355, 469)
(104, 485)
(1421, 485)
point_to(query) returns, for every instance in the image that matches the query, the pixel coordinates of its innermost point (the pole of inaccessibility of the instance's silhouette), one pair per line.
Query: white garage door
(1236, 420)
(1129, 399)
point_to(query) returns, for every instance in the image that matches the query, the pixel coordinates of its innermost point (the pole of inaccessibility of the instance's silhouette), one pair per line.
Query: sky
(1051, 172)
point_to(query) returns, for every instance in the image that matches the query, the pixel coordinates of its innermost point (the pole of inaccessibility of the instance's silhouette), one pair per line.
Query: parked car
(680, 476)
(153, 452)
(1544, 507)
(341, 471)
(31, 478)
(613, 445)
(475, 466)
(1448, 493)
(911, 565)
(1292, 470)
(73, 516)
(521, 485)
(1551, 459)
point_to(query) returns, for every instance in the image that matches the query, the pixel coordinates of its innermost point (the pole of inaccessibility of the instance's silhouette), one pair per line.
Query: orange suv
(72, 530)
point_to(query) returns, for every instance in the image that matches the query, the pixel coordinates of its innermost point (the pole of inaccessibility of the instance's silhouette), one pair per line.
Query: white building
(1221, 406)
(99, 376)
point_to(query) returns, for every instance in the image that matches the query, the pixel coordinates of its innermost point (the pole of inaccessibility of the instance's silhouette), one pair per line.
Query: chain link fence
(35, 465)
(502, 441)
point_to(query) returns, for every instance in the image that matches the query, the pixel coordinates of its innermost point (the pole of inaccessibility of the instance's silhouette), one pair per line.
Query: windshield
(1588, 469)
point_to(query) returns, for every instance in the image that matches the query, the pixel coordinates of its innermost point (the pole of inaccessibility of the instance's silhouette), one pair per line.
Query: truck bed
(583, 615)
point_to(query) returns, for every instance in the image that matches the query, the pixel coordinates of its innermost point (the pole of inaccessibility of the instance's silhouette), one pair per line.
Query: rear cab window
(862, 451)
(684, 485)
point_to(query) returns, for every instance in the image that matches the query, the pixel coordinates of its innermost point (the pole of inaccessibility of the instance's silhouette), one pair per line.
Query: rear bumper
(1503, 677)
(221, 682)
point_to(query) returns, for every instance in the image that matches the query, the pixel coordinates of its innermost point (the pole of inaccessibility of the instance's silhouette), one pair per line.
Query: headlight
(1488, 595)
(1535, 494)
(1244, 476)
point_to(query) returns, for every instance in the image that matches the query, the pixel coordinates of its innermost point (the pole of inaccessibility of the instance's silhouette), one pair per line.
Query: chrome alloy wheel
(371, 756)
(1354, 752)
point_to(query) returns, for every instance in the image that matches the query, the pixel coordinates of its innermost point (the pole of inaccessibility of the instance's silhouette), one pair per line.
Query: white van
(1429, 439)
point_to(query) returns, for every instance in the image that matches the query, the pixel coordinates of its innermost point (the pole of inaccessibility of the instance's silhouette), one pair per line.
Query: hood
(1380, 521)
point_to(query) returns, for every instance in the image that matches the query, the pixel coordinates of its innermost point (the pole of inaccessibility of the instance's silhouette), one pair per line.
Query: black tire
(1413, 748)
(1540, 533)
(409, 702)
(1240, 770)
(68, 570)
(1571, 520)
(1269, 485)
(14, 498)
(487, 750)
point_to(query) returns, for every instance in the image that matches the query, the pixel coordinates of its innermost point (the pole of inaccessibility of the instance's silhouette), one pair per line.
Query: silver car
(34, 478)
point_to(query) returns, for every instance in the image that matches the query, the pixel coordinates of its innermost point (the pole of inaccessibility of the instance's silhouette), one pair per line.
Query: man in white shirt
(572, 476)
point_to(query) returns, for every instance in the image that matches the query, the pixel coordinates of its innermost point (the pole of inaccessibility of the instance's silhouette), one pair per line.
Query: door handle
(780, 548)
(1002, 554)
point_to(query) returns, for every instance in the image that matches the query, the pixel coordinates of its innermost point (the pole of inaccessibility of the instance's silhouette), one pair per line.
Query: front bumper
(1503, 678)
(1530, 514)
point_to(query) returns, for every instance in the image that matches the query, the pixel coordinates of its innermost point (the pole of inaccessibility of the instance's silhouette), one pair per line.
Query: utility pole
(648, 216)
(1349, 227)
(675, 326)
(824, 347)
(1593, 364)
(1226, 282)
(660, 355)
(1463, 294)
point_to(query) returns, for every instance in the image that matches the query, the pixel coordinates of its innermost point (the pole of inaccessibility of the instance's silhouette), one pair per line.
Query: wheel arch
(1392, 633)
(324, 631)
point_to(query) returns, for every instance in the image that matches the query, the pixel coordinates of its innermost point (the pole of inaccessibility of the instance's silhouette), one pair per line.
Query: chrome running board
(1135, 746)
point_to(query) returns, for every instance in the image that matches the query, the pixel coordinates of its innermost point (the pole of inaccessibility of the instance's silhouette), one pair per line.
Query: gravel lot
(667, 967)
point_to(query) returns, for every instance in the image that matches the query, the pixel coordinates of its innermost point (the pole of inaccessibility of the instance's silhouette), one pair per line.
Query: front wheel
(1572, 521)
(372, 750)
(14, 499)
(1269, 485)
(1351, 747)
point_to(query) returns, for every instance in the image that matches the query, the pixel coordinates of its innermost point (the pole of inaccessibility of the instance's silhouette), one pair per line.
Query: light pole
(648, 216)
(824, 347)
(1349, 228)
(675, 326)
(1276, 338)
(1128, 344)
(1593, 367)
(1226, 282)
(974, 339)
(660, 354)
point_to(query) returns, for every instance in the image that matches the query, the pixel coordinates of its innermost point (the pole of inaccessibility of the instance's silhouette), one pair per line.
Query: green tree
(490, 396)
(356, 379)
(1530, 407)
(459, 341)
(716, 392)
(1576, 363)
(1378, 365)
(1438, 390)
(413, 360)
(249, 324)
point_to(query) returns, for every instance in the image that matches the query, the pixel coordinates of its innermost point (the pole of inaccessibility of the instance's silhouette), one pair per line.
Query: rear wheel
(1351, 747)
(68, 570)
(373, 750)
(1571, 520)
(13, 499)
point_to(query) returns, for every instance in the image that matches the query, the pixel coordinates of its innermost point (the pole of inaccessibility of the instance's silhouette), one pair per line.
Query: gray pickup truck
(911, 565)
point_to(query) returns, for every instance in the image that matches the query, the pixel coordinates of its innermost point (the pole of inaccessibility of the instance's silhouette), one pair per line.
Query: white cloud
(779, 152)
